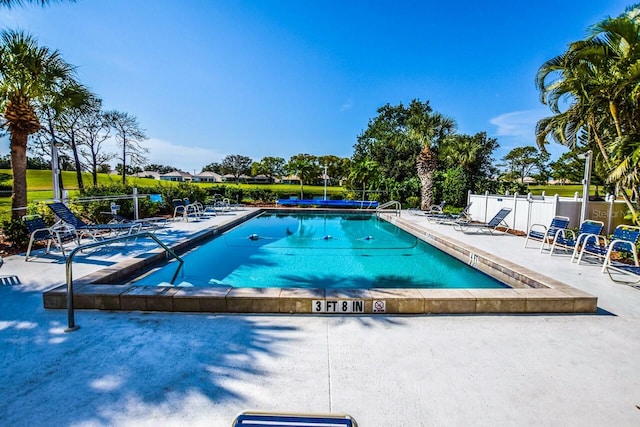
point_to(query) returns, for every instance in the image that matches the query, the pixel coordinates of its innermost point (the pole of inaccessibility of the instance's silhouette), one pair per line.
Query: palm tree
(365, 171)
(429, 130)
(304, 166)
(28, 74)
(599, 79)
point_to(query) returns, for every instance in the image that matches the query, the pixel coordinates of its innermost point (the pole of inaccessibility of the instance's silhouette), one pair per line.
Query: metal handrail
(397, 207)
(70, 310)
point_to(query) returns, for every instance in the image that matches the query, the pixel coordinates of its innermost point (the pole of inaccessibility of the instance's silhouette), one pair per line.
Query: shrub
(16, 232)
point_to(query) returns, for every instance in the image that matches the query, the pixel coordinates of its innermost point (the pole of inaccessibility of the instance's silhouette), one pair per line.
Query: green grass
(40, 186)
(562, 190)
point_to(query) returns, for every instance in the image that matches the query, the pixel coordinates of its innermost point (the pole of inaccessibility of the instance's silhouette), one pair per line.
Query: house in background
(207, 177)
(291, 179)
(147, 174)
(176, 176)
(260, 179)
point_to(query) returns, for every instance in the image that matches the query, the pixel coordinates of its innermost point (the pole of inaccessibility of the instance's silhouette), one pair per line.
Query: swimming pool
(329, 250)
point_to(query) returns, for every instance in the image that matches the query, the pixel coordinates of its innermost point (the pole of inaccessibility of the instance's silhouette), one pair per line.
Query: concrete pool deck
(153, 368)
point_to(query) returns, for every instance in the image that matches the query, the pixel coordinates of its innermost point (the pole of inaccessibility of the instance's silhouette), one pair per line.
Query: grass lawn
(562, 190)
(40, 187)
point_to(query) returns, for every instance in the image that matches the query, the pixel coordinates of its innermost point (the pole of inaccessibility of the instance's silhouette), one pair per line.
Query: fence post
(529, 202)
(486, 203)
(515, 209)
(610, 216)
(65, 197)
(556, 202)
(135, 203)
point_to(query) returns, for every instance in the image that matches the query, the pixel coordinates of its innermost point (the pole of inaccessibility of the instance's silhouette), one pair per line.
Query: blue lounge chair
(94, 231)
(624, 240)
(264, 418)
(480, 227)
(56, 235)
(567, 240)
(618, 271)
(546, 234)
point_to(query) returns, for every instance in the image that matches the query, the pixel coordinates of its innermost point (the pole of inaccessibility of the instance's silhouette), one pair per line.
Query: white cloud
(518, 123)
(348, 105)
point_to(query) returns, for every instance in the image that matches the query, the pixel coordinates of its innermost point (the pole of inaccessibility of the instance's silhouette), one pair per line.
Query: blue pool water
(342, 250)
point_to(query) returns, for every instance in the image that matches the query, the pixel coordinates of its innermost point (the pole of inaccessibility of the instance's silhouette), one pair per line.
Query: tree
(236, 165)
(305, 167)
(593, 90)
(213, 167)
(364, 172)
(159, 168)
(129, 136)
(270, 166)
(523, 161)
(93, 130)
(28, 73)
(385, 142)
(429, 129)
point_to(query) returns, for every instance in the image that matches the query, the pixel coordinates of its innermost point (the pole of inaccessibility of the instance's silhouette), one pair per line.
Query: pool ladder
(397, 207)
(70, 309)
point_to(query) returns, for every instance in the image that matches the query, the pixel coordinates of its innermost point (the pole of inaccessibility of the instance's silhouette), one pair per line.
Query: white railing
(397, 207)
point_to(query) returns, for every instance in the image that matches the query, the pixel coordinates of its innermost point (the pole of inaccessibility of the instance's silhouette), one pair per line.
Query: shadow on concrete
(123, 363)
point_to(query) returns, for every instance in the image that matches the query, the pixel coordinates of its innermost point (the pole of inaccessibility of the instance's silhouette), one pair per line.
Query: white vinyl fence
(528, 209)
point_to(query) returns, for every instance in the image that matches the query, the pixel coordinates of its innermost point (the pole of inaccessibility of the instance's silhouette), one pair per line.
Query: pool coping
(531, 292)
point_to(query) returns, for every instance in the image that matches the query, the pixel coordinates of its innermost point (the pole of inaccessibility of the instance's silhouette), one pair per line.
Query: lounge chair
(94, 231)
(624, 240)
(480, 227)
(462, 217)
(432, 210)
(618, 271)
(567, 239)
(56, 235)
(292, 419)
(546, 234)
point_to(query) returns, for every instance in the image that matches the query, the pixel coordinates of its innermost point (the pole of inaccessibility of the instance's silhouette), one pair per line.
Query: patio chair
(624, 240)
(184, 210)
(480, 227)
(567, 239)
(431, 210)
(462, 217)
(56, 235)
(546, 234)
(199, 208)
(292, 419)
(617, 271)
(94, 231)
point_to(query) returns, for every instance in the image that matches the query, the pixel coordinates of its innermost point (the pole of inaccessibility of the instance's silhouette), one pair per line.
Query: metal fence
(528, 209)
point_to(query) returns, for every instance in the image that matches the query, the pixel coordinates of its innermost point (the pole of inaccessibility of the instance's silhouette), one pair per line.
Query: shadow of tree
(120, 363)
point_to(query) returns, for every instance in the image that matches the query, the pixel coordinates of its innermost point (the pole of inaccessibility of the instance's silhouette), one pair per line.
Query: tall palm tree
(28, 73)
(429, 130)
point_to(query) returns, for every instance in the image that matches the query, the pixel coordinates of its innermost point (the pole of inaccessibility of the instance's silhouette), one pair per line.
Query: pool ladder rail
(396, 207)
(69, 270)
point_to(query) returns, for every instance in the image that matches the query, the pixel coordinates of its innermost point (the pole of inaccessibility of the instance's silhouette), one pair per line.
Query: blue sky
(281, 77)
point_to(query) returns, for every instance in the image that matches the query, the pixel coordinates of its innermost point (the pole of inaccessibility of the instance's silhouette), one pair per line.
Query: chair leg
(26, 258)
